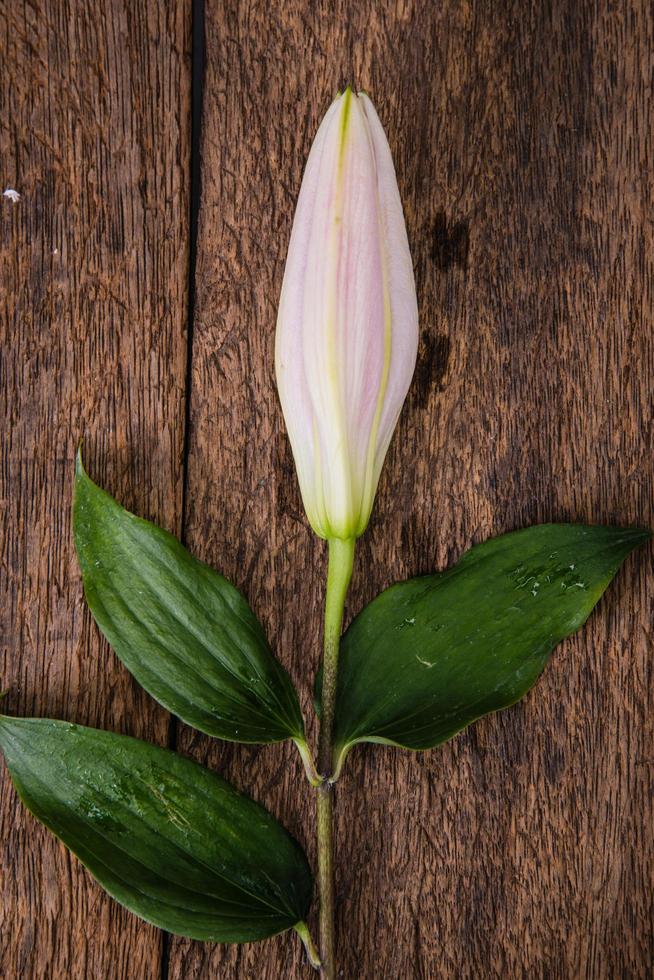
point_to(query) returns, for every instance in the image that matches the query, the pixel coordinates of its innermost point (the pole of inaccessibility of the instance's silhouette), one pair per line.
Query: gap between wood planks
(197, 86)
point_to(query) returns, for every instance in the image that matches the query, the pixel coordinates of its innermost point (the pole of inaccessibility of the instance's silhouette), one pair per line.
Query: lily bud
(347, 328)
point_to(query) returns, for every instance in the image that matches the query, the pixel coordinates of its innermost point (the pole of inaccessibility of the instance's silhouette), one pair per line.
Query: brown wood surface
(523, 140)
(94, 124)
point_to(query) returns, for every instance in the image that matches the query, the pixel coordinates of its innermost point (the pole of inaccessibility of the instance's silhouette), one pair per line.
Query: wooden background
(523, 139)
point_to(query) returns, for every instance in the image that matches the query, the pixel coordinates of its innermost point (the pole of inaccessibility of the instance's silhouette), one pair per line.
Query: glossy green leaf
(185, 633)
(430, 655)
(164, 836)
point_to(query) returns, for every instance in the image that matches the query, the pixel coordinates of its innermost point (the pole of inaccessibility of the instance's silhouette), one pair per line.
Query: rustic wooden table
(523, 138)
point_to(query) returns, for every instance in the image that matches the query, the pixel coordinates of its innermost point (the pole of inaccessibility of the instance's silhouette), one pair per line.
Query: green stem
(312, 953)
(326, 879)
(339, 573)
(341, 558)
(307, 761)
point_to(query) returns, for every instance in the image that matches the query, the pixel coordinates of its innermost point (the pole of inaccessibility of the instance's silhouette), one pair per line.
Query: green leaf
(430, 655)
(164, 836)
(185, 633)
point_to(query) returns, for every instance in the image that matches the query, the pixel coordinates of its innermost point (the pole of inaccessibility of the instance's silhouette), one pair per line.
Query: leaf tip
(629, 538)
(640, 535)
(4, 719)
(5, 722)
(79, 463)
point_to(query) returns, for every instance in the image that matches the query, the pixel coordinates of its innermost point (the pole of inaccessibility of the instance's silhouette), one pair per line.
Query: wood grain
(94, 124)
(522, 134)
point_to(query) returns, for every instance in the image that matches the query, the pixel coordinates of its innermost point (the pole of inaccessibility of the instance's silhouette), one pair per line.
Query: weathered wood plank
(94, 122)
(523, 140)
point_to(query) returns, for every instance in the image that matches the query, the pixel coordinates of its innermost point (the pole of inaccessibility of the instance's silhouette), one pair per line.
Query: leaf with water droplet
(430, 655)
(164, 836)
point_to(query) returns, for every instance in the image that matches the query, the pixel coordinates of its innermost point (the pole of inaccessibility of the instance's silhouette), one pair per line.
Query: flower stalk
(339, 573)
(345, 352)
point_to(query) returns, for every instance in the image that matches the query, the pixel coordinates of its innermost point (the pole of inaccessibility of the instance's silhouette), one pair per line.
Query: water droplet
(97, 816)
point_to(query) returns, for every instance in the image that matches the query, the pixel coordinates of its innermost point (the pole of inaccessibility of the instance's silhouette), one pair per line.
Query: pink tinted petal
(361, 296)
(402, 290)
(347, 326)
(292, 384)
